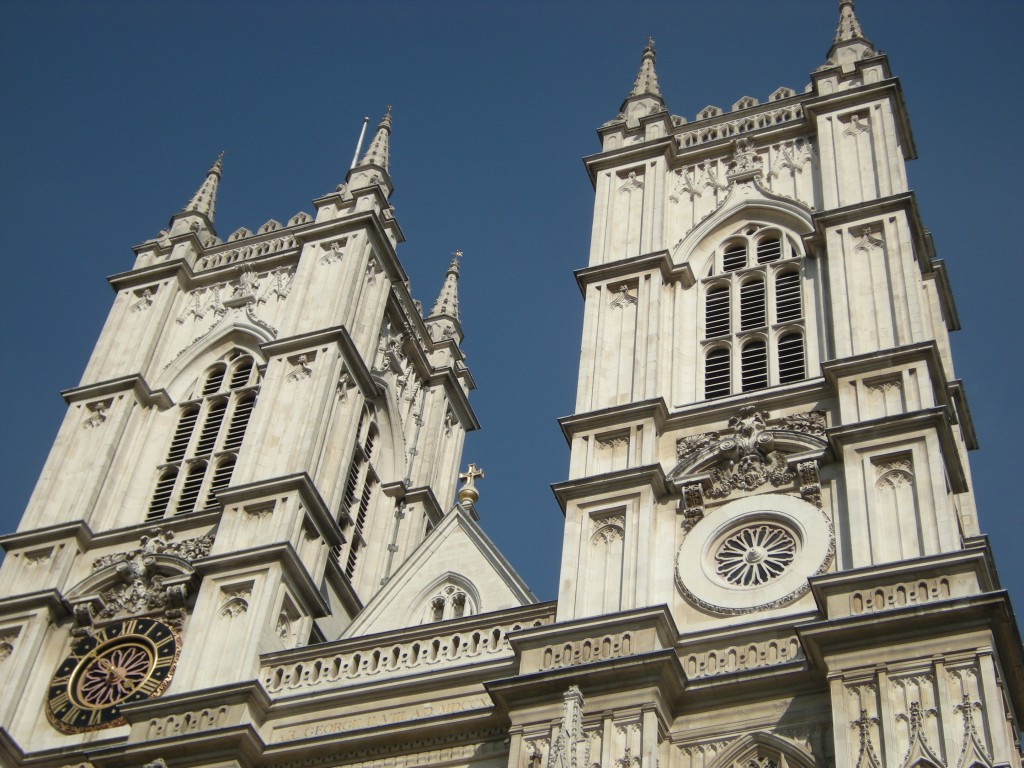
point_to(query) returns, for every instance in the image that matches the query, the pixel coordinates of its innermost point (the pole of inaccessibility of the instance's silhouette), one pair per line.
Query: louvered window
(357, 498)
(211, 427)
(787, 297)
(752, 307)
(241, 372)
(768, 250)
(754, 364)
(221, 478)
(791, 358)
(716, 318)
(191, 488)
(717, 381)
(183, 433)
(239, 421)
(162, 494)
(734, 257)
(185, 483)
(753, 313)
(213, 381)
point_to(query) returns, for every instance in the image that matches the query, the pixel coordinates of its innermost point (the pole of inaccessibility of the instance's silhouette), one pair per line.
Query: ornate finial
(468, 493)
(650, 45)
(218, 164)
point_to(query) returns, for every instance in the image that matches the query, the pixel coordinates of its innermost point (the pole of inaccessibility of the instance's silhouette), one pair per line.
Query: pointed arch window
(207, 437)
(761, 342)
(449, 601)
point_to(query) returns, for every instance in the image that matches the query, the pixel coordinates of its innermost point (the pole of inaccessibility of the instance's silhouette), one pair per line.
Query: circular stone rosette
(754, 554)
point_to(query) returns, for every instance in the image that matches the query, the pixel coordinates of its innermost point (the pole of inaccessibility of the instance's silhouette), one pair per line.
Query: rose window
(755, 555)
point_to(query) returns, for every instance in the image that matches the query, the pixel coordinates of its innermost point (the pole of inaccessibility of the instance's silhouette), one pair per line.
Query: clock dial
(122, 662)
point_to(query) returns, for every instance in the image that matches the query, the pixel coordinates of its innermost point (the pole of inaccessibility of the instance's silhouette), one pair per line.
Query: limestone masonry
(250, 546)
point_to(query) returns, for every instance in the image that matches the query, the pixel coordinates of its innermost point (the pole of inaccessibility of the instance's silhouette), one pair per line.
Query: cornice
(651, 475)
(174, 268)
(314, 505)
(977, 558)
(617, 415)
(337, 335)
(659, 261)
(78, 530)
(660, 670)
(936, 419)
(629, 154)
(913, 623)
(282, 554)
(250, 693)
(890, 87)
(134, 382)
(50, 600)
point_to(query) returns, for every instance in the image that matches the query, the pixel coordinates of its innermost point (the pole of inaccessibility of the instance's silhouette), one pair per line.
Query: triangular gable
(456, 552)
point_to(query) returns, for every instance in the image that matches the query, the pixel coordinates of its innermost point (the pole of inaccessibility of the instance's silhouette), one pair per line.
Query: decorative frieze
(899, 595)
(444, 649)
(587, 650)
(245, 252)
(188, 722)
(728, 129)
(740, 658)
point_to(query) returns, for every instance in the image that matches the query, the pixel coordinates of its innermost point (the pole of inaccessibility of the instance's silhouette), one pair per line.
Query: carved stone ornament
(919, 748)
(972, 749)
(97, 413)
(746, 457)
(866, 757)
(623, 298)
(155, 577)
(745, 160)
(571, 747)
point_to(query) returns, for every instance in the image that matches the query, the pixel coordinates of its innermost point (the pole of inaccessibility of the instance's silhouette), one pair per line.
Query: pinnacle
(377, 154)
(448, 299)
(204, 201)
(849, 27)
(646, 79)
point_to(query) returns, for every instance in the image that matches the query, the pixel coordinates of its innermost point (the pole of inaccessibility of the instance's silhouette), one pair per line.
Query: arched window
(791, 358)
(754, 365)
(717, 378)
(449, 601)
(716, 311)
(752, 306)
(206, 439)
(766, 333)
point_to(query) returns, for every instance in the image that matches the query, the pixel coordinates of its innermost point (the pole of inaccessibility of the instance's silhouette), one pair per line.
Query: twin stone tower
(247, 550)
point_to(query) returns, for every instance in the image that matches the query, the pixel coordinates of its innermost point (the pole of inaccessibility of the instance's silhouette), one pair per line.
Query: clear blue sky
(111, 113)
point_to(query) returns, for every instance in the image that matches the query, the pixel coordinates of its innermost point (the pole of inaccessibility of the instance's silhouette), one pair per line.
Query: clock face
(125, 661)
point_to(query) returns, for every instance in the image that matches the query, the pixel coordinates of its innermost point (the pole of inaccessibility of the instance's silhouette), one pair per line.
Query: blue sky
(113, 111)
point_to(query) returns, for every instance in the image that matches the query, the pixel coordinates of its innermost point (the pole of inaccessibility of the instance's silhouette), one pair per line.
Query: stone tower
(243, 551)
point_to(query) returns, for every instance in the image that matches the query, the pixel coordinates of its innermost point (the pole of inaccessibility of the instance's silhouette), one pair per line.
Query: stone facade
(241, 550)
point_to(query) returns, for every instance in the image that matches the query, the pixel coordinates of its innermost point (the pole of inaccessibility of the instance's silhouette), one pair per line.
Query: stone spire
(849, 27)
(197, 215)
(645, 97)
(646, 79)
(443, 320)
(204, 201)
(448, 299)
(377, 154)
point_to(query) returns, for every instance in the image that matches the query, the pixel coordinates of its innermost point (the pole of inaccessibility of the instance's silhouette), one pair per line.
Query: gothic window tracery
(760, 343)
(207, 436)
(450, 601)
